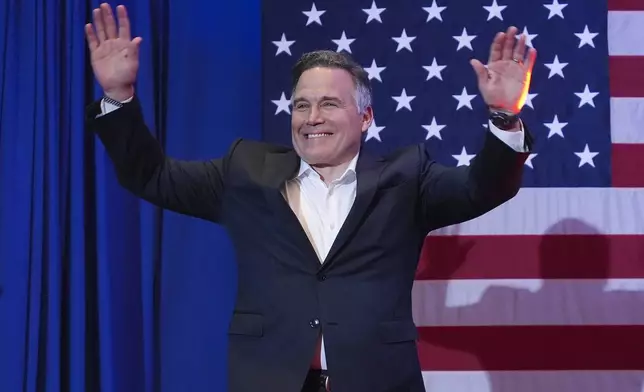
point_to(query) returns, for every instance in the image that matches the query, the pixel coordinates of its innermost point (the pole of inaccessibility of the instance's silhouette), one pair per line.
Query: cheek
(297, 119)
(296, 128)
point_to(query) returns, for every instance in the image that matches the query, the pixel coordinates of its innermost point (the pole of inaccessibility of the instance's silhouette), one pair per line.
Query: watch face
(503, 120)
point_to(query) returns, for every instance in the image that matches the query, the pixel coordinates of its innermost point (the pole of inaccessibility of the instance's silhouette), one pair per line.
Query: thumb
(479, 69)
(137, 46)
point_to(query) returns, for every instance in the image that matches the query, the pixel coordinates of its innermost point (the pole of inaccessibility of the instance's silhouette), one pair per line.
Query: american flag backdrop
(545, 293)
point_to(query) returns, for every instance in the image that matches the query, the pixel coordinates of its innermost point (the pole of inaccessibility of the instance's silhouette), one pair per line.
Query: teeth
(317, 135)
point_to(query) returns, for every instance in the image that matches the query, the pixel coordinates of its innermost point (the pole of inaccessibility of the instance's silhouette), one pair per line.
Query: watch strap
(112, 101)
(503, 120)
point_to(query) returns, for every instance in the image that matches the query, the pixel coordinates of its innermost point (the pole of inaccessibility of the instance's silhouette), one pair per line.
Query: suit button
(321, 278)
(314, 323)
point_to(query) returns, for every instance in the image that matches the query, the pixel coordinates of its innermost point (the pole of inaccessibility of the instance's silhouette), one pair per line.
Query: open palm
(504, 84)
(114, 55)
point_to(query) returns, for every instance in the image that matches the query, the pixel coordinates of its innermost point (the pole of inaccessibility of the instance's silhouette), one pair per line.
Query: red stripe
(532, 256)
(626, 76)
(625, 5)
(532, 348)
(627, 163)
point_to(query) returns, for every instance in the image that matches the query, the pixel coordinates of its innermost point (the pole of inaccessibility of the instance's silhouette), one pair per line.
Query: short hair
(341, 60)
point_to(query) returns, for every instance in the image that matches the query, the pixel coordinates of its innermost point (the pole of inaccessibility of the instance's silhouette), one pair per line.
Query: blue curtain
(99, 291)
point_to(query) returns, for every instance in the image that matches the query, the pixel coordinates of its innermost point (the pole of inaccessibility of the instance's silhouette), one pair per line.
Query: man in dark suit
(327, 236)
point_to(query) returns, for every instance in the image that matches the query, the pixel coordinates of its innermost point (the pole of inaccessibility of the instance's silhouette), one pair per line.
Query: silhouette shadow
(576, 316)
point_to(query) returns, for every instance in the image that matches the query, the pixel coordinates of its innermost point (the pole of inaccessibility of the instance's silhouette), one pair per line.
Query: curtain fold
(100, 291)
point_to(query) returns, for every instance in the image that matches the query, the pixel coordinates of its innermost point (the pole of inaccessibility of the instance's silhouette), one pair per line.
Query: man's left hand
(505, 83)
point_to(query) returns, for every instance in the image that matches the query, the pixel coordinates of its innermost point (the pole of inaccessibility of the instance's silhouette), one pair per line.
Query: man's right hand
(114, 55)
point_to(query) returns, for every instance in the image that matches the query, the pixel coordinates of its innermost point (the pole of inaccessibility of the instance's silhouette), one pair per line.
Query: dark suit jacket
(360, 297)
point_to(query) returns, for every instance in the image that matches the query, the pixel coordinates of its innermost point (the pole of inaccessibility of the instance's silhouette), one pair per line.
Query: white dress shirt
(322, 209)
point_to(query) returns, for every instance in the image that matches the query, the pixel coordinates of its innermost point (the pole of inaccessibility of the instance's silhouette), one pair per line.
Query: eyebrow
(324, 98)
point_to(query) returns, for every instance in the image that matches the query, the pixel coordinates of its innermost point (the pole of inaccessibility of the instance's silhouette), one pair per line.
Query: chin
(318, 157)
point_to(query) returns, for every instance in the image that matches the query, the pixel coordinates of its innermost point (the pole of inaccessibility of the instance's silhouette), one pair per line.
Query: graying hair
(341, 60)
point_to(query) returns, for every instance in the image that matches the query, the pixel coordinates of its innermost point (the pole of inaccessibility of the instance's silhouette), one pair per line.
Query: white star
(434, 70)
(314, 15)
(528, 37)
(586, 157)
(586, 37)
(528, 100)
(374, 70)
(374, 131)
(404, 101)
(528, 161)
(463, 158)
(283, 104)
(373, 12)
(494, 10)
(555, 9)
(434, 12)
(556, 127)
(556, 68)
(586, 97)
(283, 45)
(464, 40)
(433, 130)
(464, 99)
(404, 42)
(343, 43)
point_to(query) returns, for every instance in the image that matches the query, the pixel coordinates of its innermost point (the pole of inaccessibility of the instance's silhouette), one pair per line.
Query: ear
(367, 118)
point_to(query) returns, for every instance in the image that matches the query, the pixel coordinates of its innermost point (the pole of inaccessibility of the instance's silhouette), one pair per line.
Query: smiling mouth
(317, 135)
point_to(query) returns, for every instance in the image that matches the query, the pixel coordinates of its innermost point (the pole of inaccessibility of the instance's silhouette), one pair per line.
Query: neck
(331, 173)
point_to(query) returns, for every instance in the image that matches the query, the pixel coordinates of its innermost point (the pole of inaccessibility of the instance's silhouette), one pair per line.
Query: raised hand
(114, 55)
(506, 81)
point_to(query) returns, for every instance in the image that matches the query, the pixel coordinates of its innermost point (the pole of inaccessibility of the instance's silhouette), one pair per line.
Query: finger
(532, 58)
(519, 49)
(124, 23)
(108, 20)
(496, 47)
(480, 70)
(98, 22)
(137, 45)
(508, 45)
(92, 41)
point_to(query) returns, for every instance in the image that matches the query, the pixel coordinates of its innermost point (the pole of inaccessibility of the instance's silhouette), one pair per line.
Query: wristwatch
(503, 120)
(112, 101)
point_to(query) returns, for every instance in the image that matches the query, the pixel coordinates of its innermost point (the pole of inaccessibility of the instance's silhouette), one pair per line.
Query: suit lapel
(368, 169)
(278, 168)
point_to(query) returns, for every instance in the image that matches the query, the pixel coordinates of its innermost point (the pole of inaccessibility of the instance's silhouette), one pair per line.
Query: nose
(314, 117)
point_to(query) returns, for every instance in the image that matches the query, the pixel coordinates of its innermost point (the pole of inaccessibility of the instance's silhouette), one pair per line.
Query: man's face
(326, 125)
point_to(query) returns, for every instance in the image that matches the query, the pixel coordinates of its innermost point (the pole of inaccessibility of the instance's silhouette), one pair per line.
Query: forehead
(317, 82)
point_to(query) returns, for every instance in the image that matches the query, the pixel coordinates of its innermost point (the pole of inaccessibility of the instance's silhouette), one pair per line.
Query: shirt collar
(306, 169)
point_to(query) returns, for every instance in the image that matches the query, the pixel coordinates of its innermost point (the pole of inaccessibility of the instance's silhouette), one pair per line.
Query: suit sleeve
(451, 195)
(192, 188)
